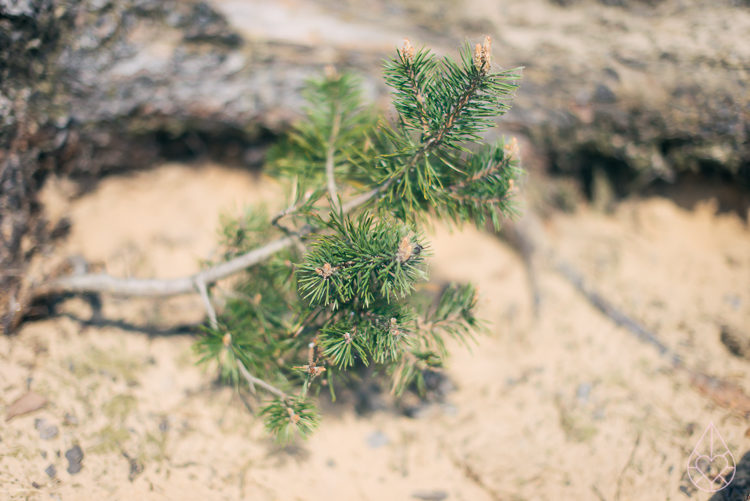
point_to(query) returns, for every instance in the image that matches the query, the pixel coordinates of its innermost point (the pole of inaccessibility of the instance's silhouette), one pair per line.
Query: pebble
(74, 456)
(377, 439)
(583, 391)
(430, 495)
(51, 471)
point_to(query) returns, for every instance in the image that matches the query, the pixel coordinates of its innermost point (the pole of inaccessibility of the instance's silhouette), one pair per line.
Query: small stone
(43, 454)
(136, 468)
(430, 495)
(71, 420)
(48, 433)
(164, 425)
(51, 471)
(583, 391)
(377, 439)
(450, 410)
(74, 457)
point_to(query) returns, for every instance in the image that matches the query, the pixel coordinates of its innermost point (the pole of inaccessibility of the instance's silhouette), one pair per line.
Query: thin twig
(201, 286)
(254, 380)
(293, 207)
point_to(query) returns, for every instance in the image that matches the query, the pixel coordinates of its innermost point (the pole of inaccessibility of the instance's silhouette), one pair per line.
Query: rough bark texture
(643, 90)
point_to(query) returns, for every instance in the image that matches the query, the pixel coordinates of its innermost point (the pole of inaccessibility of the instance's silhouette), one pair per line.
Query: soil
(565, 405)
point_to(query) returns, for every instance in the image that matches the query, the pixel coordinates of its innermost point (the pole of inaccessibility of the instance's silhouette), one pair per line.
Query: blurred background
(619, 304)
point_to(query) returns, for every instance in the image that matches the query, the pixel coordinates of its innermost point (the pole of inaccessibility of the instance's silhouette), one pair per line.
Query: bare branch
(184, 285)
(164, 287)
(252, 380)
(201, 286)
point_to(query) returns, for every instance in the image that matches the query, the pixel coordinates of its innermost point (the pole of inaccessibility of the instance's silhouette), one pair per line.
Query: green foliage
(446, 102)
(360, 260)
(338, 123)
(238, 234)
(290, 415)
(342, 296)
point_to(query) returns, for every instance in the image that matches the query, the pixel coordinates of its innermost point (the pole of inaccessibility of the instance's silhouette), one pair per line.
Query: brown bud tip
(326, 271)
(405, 249)
(478, 56)
(407, 51)
(511, 149)
(330, 72)
(294, 418)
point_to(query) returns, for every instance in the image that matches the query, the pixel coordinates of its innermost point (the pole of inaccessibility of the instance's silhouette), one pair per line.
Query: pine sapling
(336, 290)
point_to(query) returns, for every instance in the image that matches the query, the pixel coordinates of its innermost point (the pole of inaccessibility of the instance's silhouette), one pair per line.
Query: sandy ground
(564, 406)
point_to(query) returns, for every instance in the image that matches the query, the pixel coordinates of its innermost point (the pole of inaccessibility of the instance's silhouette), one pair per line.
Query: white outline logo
(710, 463)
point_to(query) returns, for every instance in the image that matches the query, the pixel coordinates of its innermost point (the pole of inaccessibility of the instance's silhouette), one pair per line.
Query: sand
(563, 406)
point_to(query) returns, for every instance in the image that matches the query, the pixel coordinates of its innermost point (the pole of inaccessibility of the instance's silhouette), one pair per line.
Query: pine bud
(405, 250)
(483, 55)
(330, 72)
(487, 53)
(393, 329)
(511, 149)
(407, 51)
(326, 271)
(294, 418)
(227, 340)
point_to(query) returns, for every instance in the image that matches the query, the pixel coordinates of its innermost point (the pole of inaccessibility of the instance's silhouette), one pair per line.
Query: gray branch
(184, 285)
(252, 380)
